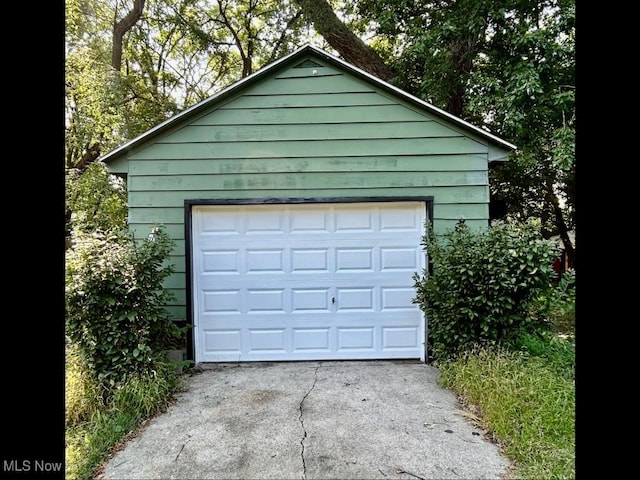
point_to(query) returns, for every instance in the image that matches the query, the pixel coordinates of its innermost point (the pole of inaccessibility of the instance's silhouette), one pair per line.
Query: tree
(95, 201)
(507, 66)
(92, 122)
(120, 28)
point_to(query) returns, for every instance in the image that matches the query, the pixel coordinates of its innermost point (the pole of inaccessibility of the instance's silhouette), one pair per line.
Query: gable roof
(283, 62)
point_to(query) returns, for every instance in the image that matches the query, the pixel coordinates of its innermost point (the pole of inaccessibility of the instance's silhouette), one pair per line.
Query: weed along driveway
(311, 420)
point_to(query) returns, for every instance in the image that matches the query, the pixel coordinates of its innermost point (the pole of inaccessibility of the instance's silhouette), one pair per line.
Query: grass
(525, 398)
(95, 425)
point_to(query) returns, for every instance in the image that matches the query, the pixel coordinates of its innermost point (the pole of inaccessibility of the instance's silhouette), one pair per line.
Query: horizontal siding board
(312, 148)
(310, 72)
(177, 312)
(312, 84)
(119, 165)
(331, 99)
(178, 263)
(476, 211)
(165, 215)
(148, 207)
(284, 181)
(180, 297)
(174, 230)
(175, 281)
(310, 116)
(407, 163)
(424, 130)
(443, 226)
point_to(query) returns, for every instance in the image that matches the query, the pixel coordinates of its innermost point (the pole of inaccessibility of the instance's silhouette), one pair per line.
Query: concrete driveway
(311, 420)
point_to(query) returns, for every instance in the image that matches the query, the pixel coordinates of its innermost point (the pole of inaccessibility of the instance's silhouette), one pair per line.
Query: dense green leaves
(507, 66)
(115, 303)
(486, 287)
(95, 200)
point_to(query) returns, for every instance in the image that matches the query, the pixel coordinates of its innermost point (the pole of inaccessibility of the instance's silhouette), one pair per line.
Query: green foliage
(486, 287)
(562, 304)
(115, 303)
(90, 437)
(95, 200)
(525, 400)
(82, 393)
(508, 66)
(93, 99)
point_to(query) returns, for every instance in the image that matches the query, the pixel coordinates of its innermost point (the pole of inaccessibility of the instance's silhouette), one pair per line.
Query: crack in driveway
(301, 420)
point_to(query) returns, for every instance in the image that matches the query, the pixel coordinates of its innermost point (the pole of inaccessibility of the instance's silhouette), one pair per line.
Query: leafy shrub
(115, 303)
(485, 287)
(95, 200)
(562, 304)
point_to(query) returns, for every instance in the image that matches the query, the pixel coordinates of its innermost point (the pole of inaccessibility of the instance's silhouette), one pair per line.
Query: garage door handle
(333, 299)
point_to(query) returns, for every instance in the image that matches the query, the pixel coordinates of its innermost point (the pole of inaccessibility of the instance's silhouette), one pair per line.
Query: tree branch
(119, 30)
(343, 40)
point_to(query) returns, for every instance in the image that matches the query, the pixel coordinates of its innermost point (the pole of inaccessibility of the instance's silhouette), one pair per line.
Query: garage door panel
(222, 341)
(271, 340)
(355, 299)
(400, 338)
(360, 339)
(264, 260)
(307, 281)
(311, 300)
(354, 259)
(315, 220)
(220, 261)
(222, 301)
(265, 300)
(399, 258)
(306, 259)
(398, 219)
(308, 339)
(397, 298)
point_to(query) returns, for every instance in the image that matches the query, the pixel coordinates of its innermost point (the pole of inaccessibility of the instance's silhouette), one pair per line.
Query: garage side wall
(307, 131)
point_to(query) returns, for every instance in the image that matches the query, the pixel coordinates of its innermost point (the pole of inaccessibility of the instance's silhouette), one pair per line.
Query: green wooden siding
(296, 134)
(405, 163)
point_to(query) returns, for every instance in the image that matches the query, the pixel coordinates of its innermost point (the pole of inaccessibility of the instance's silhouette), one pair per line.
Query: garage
(296, 198)
(307, 281)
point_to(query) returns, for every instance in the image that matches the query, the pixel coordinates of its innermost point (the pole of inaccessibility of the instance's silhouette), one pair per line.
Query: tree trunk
(120, 29)
(343, 40)
(91, 154)
(562, 226)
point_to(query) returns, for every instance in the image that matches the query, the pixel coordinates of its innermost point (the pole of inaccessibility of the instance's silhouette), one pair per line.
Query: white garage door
(312, 281)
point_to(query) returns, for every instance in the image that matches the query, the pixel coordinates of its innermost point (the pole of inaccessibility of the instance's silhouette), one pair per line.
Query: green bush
(485, 287)
(562, 304)
(95, 200)
(115, 303)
